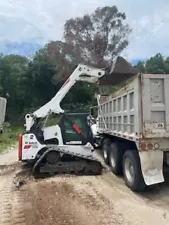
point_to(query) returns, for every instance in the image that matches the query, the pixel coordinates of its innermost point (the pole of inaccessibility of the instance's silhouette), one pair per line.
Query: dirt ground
(76, 200)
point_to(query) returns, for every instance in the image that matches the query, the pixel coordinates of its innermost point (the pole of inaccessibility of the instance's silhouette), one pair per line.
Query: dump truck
(133, 129)
(3, 102)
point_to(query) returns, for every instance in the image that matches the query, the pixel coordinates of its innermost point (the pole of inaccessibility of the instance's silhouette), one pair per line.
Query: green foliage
(12, 68)
(81, 93)
(157, 64)
(32, 83)
(140, 67)
(37, 81)
(98, 37)
(9, 137)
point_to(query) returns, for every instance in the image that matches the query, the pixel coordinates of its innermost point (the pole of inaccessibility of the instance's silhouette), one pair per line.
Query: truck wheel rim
(105, 152)
(112, 159)
(129, 170)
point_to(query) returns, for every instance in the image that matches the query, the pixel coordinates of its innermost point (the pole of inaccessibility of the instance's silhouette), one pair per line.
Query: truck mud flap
(152, 166)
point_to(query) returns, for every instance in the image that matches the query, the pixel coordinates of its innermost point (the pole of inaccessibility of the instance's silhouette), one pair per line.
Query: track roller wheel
(53, 157)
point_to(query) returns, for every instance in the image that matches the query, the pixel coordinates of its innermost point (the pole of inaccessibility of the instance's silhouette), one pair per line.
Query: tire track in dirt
(75, 200)
(18, 215)
(87, 194)
(51, 203)
(132, 206)
(62, 201)
(6, 206)
(11, 207)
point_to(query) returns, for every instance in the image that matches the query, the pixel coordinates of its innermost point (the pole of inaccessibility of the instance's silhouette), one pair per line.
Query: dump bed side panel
(120, 113)
(155, 105)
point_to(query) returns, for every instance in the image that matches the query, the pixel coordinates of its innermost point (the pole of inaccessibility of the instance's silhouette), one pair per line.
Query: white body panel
(53, 132)
(94, 129)
(139, 112)
(31, 147)
(3, 102)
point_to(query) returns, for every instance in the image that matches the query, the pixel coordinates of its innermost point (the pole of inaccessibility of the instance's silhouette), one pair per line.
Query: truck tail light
(143, 146)
(20, 146)
(148, 146)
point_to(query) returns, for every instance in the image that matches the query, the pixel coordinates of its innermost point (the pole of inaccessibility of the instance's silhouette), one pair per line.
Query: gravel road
(76, 200)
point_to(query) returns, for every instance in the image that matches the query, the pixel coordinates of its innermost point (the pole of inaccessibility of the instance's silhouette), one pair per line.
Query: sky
(27, 25)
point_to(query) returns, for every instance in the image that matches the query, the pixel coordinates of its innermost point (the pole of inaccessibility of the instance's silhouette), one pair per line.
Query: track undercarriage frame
(63, 161)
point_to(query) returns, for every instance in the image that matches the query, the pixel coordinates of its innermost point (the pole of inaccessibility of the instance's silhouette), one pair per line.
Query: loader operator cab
(75, 129)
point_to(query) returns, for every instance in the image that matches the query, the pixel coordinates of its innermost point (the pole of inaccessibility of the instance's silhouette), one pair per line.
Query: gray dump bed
(140, 109)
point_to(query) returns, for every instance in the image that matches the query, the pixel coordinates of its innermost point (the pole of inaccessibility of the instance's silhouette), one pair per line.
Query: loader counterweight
(20, 146)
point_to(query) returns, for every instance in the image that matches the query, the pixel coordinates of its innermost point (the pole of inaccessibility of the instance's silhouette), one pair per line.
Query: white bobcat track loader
(50, 149)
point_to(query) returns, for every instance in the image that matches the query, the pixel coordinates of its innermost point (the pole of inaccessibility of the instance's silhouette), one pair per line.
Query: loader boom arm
(81, 73)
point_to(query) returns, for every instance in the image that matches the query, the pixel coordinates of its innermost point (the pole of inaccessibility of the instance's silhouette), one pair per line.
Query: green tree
(38, 81)
(156, 64)
(97, 38)
(60, 56)
(166, 65)
(140, 67)
(12, 68)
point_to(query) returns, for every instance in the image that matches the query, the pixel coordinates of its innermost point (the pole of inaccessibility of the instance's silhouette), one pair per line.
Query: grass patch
(9, 137)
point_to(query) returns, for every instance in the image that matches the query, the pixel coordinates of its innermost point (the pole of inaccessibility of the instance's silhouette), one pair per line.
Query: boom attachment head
(118, 72)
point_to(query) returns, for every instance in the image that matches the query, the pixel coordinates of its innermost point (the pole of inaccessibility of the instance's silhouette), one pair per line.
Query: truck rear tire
(106, 148)
(132, 171)
(115, 159)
